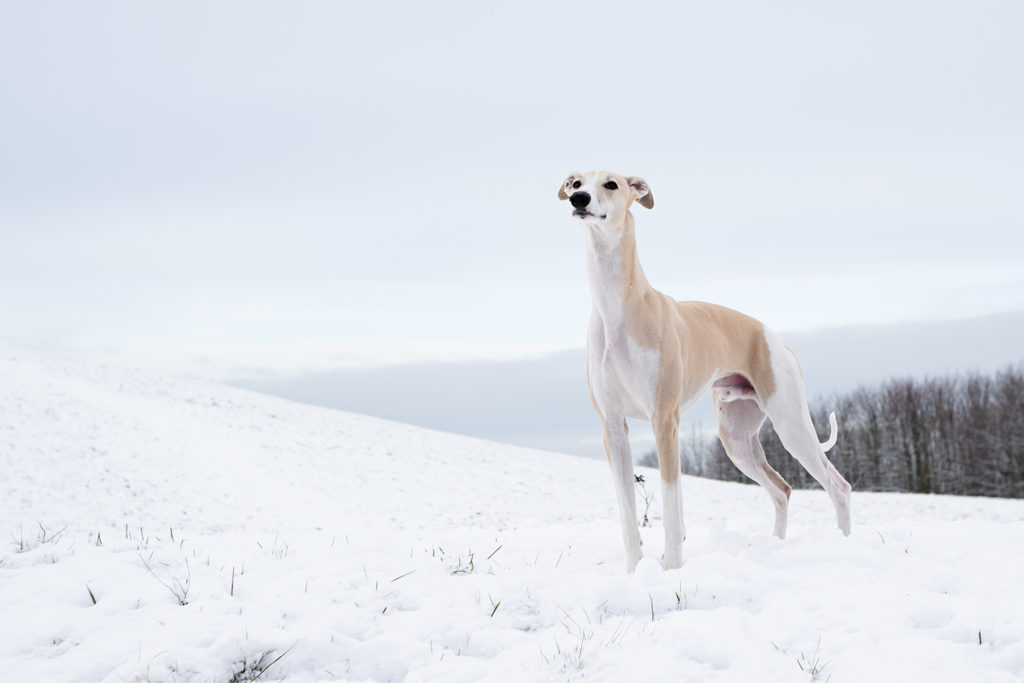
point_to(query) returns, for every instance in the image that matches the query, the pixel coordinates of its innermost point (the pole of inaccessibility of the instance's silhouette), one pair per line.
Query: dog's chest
(623, 374)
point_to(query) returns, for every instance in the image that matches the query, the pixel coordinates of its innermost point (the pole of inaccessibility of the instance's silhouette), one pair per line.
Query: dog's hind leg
(787, 409)
(738, 424)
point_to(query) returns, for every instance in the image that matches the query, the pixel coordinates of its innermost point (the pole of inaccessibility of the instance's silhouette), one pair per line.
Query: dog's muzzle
(580, 201)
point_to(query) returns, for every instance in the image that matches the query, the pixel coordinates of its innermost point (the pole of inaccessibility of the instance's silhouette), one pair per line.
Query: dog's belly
(622, 375)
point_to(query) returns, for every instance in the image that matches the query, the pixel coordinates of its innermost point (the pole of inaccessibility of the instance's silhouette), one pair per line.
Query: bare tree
(959, 435)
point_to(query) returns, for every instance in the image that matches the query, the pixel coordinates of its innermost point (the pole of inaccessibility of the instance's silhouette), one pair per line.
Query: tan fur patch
(698, 341)
(776, 477)
(565, 184)
(647, 201)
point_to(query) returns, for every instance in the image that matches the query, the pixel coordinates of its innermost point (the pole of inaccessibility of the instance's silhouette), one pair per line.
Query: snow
(332, 546)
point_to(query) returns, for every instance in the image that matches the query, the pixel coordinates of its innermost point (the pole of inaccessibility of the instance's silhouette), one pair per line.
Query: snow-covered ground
(311, 545)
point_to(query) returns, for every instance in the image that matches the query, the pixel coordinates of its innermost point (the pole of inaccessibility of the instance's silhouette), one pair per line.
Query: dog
(651, 358)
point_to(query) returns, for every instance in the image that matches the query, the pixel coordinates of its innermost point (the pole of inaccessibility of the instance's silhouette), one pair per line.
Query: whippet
(650, 357)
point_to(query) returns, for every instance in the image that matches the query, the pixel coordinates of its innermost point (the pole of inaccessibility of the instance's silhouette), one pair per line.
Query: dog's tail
(827, 445)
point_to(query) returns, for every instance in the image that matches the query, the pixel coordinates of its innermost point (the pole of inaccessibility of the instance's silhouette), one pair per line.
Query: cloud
(543, 402)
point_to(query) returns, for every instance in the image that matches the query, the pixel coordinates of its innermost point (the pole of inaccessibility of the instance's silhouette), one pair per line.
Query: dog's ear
(641, 191)
(567, 185)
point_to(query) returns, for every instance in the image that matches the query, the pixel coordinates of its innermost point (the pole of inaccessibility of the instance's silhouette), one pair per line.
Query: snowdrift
(163, 529)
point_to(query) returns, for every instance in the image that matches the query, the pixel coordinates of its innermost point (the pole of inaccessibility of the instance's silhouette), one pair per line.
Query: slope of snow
(331, 546)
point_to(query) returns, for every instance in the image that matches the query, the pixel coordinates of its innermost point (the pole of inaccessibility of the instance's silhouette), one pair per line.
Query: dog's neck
(613, 270)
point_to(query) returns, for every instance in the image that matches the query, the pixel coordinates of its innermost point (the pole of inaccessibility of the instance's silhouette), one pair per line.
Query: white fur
(622, 373)
(791, 419)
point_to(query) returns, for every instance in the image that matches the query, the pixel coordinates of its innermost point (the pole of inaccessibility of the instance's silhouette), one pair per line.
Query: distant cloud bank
(543, 402)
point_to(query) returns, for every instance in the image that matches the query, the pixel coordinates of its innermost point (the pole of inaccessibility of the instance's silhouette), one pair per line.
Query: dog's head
(600, 196)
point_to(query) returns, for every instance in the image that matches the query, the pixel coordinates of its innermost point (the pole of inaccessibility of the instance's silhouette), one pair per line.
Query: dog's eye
(576, 185)
(610, 185)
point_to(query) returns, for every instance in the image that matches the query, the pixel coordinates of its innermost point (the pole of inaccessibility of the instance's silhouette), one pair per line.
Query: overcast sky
(261, 189)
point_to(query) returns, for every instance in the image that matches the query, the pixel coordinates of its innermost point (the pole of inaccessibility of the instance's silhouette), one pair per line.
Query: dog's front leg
(666, 435)
(616, 446)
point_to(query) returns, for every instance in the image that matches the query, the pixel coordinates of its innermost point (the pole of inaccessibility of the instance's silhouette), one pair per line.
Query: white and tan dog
(650, 357)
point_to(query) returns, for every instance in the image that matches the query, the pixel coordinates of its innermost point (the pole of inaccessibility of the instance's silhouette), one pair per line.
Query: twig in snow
(813, 665)
(179, 590)
(646, 495)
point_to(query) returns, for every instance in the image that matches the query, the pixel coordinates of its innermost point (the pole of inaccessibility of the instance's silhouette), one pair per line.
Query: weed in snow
(21, 544)
(455, 565)
(645, 495)
(812, 664)
(278, 550)
(251, 670)
(584, 638)
(178, 588)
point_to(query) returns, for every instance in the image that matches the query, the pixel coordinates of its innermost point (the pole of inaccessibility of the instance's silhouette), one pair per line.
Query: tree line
(961, 434)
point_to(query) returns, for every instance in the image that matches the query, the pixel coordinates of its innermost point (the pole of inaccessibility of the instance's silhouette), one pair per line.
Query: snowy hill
(320, 545)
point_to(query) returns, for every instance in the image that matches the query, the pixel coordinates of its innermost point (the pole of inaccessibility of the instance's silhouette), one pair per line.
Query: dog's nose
(579, 199)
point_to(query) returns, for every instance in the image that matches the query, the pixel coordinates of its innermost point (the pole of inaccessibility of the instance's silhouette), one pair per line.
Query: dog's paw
(672, 560)
(632, 560)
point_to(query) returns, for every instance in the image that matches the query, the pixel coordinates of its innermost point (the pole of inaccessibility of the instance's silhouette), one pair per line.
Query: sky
(266, 190)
